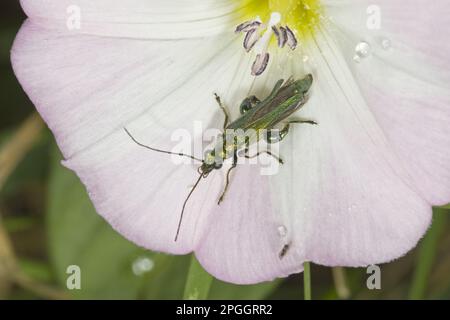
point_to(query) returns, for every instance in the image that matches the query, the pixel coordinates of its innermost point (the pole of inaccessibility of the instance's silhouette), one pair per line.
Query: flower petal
(355, 202)
(342, 194)
(405, 82)
(141, 193)
(89, 88)
(159, 19)
(243, 241)
(417, 24)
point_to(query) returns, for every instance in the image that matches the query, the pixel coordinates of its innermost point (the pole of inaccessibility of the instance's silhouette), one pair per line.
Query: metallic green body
(285, 99)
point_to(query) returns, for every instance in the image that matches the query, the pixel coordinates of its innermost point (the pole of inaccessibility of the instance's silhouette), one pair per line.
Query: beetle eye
(248, 104)
(245, 106)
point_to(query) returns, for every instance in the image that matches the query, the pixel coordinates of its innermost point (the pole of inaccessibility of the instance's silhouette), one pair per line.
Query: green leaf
(427, 253)
(77, 235)
(198, 282)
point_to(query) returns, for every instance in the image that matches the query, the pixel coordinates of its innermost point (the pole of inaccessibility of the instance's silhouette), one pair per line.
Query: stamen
(283, 37)
(250, 39)
(291, 39)
(255, 36)
(247, 26)
(260, 64)
(276, 31)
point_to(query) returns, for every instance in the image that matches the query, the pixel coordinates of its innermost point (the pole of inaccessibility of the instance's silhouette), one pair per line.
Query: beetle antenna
(159, 150)
(184, 205)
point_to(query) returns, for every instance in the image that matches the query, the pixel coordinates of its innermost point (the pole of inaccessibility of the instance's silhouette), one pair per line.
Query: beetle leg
(266, 152)
(247, 149)
(224, 110)
(274, 138)
(303, 121)
(228, 178)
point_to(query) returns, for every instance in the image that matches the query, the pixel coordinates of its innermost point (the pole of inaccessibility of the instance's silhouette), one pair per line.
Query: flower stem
(307, 281)
(198, 282)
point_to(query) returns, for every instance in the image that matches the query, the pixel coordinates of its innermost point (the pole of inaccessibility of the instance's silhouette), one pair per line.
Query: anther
(250, 39)
(247, 26)
(260, 64)
(291, 39)
(280, 34)
(258, 36)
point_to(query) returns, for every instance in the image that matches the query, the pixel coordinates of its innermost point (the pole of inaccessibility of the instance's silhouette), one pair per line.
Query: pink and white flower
(355, 190)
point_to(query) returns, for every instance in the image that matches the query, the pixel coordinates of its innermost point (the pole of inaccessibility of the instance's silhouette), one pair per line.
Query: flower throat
(286, 23)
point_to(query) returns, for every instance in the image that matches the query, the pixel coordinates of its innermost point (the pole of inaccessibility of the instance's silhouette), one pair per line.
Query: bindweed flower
(356, 189)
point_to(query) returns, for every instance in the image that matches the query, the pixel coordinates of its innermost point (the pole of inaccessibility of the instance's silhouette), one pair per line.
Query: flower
(355, 190)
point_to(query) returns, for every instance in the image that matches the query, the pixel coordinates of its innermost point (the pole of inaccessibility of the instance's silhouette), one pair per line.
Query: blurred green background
(48, 223)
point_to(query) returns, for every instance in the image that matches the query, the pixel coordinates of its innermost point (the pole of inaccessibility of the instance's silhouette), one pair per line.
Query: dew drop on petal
(362, 50)
(142, 265)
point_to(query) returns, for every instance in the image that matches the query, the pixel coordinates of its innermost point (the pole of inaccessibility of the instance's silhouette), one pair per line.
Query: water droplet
(142, 265)
(386, 44)
(282, 231)
(362, 50)
(305, 58)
